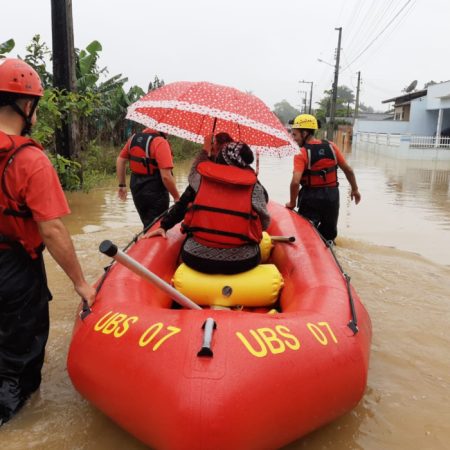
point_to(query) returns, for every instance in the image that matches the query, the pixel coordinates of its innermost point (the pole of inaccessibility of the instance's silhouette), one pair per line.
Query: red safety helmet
(18, 77)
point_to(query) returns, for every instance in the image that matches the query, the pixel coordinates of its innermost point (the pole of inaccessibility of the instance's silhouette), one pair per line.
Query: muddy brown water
(395, 245)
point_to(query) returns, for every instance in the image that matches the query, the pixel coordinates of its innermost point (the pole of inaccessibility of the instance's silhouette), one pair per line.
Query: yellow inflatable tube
(265, 247)
(257, 287)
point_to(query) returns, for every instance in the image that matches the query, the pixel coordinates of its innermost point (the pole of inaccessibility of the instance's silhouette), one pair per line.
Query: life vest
(222, 214)
(322, 166)
(16, 213)
(139, 151)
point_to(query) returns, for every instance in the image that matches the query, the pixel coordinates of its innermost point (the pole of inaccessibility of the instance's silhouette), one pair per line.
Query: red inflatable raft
(266, 379)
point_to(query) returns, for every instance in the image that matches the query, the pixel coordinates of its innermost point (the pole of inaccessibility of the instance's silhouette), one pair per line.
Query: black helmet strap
(27, 128)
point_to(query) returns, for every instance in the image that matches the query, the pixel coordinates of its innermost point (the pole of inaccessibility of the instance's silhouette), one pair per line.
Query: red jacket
(14, 215)
(222, 214)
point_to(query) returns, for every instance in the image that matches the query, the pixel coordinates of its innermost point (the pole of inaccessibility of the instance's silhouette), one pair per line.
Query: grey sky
(262, 46)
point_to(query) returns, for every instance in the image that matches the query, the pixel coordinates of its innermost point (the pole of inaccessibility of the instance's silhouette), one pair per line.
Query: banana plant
(6, 47)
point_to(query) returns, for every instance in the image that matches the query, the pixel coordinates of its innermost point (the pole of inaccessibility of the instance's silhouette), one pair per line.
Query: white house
(420, 128)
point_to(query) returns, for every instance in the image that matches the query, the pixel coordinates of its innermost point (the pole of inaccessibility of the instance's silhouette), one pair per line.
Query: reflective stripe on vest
(222, 214)
(322, 166)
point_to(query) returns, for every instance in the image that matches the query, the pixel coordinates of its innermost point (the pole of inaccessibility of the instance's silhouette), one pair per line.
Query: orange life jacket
(139, 151)
(15, 213)
(222, 214)
(322, 166)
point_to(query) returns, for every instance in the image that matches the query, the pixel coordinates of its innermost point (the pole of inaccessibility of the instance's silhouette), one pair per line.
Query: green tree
(100, 103)
(344, 102)
(157, 83)
(285, 111)
(37, 56)
(366, 109)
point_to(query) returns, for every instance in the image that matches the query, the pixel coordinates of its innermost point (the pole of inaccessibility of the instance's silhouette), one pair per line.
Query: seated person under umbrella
(224, 211)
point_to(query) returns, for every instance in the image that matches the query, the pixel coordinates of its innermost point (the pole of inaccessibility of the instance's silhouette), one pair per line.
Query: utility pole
(355, 115)
(335, 87)
(304, 100)
(310, 93)
(64, 77)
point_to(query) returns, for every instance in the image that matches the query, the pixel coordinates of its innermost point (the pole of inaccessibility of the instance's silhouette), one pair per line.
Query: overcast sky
(262, 46)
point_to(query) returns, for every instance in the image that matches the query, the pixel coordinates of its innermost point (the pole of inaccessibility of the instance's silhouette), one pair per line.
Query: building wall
(434, 92)
(381, 126)
(423, 115)
(422, 122)
(446, 119)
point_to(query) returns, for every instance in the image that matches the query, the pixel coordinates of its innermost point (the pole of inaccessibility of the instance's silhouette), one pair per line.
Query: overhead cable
(379, 34)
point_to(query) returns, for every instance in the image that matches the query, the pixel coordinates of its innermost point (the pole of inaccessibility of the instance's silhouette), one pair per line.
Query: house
(421, 123)
(402, 104)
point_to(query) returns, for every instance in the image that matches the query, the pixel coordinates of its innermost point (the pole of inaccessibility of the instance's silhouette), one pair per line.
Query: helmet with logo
(305, 122)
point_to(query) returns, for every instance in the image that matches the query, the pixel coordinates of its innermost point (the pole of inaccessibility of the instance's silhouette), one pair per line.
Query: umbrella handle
(257, 163)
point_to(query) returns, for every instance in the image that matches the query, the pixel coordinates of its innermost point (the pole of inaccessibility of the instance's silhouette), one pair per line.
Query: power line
(379, 34)
(355, 13)
(366, 17)
(373, 26)
(393, 30)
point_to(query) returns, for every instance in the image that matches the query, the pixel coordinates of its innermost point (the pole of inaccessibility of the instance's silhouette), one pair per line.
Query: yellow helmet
(306, 122)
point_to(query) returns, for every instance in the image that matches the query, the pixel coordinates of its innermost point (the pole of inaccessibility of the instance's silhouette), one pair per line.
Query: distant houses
(419, 126)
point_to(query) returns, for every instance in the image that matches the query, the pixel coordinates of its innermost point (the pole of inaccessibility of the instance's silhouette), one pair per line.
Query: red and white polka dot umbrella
(194, 110)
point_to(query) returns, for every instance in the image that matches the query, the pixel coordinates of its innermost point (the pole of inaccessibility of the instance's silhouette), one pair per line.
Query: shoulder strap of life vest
(143, 141)
(322, 165)
(18, 144)
(313, 156)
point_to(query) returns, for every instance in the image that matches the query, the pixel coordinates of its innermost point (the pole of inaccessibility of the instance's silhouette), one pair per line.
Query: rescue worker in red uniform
(31, 205)
(224, 210)
(151, 164)
(315, 169)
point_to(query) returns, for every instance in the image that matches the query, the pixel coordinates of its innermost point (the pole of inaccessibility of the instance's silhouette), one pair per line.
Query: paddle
(110, 249)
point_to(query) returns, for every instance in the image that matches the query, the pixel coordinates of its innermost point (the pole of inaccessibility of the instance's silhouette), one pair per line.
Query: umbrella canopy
(194, 110)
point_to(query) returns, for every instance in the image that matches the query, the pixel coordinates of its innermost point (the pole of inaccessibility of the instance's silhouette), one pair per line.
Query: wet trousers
(321, 207)
(150, 197)
(24, 327)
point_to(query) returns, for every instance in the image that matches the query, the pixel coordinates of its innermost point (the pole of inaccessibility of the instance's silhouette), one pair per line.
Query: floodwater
(395, 245)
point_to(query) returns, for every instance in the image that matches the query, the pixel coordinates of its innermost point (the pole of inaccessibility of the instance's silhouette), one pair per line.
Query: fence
(404, 146)
(429, 142)
(393, 140)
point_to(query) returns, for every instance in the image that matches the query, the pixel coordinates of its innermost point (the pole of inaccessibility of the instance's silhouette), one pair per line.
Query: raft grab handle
(85, 310)
(208, 329)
